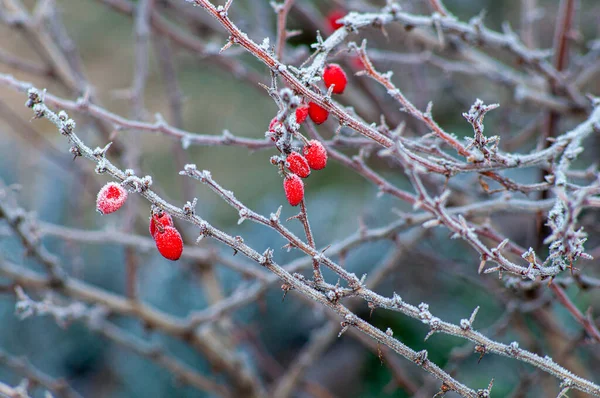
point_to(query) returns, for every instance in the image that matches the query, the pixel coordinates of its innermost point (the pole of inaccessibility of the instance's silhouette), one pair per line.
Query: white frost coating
(266, 44)
(185, 141)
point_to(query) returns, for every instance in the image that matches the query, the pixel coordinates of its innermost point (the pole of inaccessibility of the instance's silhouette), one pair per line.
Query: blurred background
(37, 174)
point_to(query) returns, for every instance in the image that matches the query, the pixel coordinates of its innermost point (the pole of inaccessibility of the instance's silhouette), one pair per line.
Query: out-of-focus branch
(54, 46)
(183, 39)
(41, 41)
(503, 77)
(151, 317)
(21, 366)
(142, 45)
(143, 244)
(94, 319)
(17, 220)
(19, 391)
(282, 33)
(23, 65)
(586, 321)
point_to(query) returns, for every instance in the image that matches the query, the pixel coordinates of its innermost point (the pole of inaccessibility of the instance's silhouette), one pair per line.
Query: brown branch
(303, 217)
(585, 321)
(24, 65)
(282, 34)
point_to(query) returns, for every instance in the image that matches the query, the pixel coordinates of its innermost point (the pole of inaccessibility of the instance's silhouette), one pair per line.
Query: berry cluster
(335, 79)
(299, 163)
(166, 236)
(168, 240)
(314, 156)
(302, 113)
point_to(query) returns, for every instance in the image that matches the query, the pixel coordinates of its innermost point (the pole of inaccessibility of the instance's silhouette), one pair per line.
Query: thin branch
(439, 7)
(14, 392)
(282, 33)
(21, 366)
(303, 217)
(587, 323)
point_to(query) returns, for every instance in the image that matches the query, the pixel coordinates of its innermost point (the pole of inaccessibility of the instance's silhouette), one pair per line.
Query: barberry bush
(299, 198)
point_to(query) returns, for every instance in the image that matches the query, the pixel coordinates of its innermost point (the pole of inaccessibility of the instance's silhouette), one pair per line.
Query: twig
(303, 217)
(23, 64)
(14, 392)
(17, 221)
(282, 11)
(58, 387)
(586, 322)
(95, 320)
(439, 7)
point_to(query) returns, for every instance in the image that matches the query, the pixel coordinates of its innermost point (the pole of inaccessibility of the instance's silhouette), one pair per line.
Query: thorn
(298, 216)
(227, 45)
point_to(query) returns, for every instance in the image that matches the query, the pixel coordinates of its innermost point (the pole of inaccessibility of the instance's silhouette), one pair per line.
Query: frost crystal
(465, 324)
(266, 43)
(243, 215)
(185, 141)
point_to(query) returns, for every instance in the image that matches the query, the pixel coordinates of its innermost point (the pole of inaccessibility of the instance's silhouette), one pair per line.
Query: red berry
(335, 75)
(298, 164)
(315, 155)
(163, 219)
(169, 243)
(316, 113)
(273, 124)
(294, 189)
(332, 18)
(301, 114)
(110, 198)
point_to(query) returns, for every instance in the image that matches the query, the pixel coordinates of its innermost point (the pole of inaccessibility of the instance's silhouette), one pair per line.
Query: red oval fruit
(169, 243)
(294, 189)
(163, 219)
(110, 198)
(298, 164)
(301, 114)
(316, 113)
(315, 154)
(334, 75)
